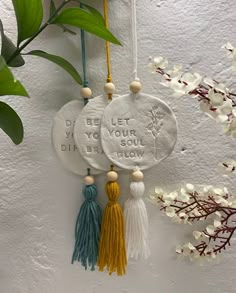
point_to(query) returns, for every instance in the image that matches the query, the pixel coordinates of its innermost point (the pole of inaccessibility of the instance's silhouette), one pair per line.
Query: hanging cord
(108, 51)
(135, 85)
(109, 86)
(83, 47)
(85, 92)
(134, 39)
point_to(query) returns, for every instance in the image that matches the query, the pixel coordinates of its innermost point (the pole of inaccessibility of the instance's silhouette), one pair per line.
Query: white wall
(39, 200)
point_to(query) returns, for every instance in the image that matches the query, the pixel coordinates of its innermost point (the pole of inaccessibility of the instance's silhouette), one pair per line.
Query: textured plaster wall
(39, 200)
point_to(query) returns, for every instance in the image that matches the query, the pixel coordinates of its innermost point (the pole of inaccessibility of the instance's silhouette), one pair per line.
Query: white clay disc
(87, 133)
(138, 130)
(63, 139)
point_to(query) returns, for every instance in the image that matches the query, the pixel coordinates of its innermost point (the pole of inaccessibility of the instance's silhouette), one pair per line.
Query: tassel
(87, 229)
(136, 220)
(112, 251)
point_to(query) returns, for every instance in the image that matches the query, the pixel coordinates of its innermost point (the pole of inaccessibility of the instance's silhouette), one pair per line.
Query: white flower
(216, 99)
(183, 196)
(176, 85)
(153, 197)
(228, 46)
(182, 215)
(208, 81)
(151, 67)
(189, 187)
(218, 191)
(176, 219)
(218, 214)
(159, 191)
(226, 168)
(220, 200)
(160, 62)
(208, 189)
(222, 118)
(170, 212)
(196, 213)
(197, 234)
(188, 248)
(220, 87)
(179, 249)
(172, 196)
(210, 229)
(217, 223)
(192, 80)
(226, 107)
(175, 72)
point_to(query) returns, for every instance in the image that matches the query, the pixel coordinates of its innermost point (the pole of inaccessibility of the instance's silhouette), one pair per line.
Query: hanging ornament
(63, 128)
(138, 131)
(87, 125)
(88, 224)
(112, 251)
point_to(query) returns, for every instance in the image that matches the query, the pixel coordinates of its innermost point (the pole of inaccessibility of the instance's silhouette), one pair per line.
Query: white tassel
(136, 220)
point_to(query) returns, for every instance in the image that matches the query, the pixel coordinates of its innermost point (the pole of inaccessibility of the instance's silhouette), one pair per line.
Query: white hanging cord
(134, 39)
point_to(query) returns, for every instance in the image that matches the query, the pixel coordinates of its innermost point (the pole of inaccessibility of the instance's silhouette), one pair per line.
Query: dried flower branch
(214, 97)
(189, 206)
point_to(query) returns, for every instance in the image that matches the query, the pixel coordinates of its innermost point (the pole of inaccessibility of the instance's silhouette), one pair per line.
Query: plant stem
(47, 23)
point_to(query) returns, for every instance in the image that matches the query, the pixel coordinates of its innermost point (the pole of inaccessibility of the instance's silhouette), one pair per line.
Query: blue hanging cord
(83, 48)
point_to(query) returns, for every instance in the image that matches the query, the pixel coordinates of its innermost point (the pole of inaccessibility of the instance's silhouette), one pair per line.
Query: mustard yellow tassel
(112, 251)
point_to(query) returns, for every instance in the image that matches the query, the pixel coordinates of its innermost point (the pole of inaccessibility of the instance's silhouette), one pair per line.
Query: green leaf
(29, 16)
(8, 84)
(86, 21)
(93, 11)
(8, 48)
(53, 12)
(59, 61)
(11, 123)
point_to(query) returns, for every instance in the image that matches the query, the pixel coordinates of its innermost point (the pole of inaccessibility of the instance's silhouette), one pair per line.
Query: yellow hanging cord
(108, 51)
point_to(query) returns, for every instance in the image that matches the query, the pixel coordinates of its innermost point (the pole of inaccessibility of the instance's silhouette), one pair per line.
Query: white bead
(135, 87)
(85, 92)
(137, 176)
(112, 176)
(88, 180)
(109, 88)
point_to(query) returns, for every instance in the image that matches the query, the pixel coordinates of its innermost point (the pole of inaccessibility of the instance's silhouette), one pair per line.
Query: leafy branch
(29, 16)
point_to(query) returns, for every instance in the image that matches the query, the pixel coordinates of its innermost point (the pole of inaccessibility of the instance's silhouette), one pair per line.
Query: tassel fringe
(112, 251)
(136, 223)
(87, 229)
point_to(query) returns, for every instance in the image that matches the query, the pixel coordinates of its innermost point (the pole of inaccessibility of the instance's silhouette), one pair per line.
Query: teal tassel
(87, 229)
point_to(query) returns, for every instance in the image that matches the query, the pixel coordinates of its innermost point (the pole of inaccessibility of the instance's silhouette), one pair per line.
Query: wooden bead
(112, 176)
(88, 180)
(137, 176)
(85, 92)
(109, 88)
(135, 87)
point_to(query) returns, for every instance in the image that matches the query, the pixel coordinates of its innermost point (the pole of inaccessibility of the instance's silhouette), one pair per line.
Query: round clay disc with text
(138, 130)
(63, 139)
(87, 133)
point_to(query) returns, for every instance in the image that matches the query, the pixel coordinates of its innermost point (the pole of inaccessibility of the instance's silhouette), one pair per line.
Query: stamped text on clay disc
(138, 131)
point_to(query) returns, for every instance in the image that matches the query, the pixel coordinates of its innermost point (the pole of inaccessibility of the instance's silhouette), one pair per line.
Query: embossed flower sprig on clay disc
(138, 131)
